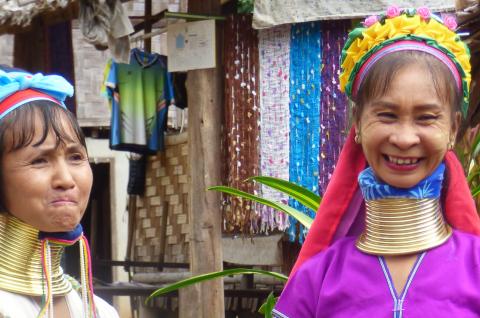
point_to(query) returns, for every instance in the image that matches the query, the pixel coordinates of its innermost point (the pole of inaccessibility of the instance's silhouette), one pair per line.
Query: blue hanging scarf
(305, 81)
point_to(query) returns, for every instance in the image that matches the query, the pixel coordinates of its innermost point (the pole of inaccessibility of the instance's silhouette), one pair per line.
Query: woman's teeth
(403, 161)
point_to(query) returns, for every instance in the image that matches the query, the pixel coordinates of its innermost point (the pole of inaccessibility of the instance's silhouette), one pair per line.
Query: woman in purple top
(403, 243)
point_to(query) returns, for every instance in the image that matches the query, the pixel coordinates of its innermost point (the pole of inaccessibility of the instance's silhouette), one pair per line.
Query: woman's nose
(404, 136)
(62, 176)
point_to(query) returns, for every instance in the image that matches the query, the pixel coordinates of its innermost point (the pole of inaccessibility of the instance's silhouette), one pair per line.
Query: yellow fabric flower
(400, 27)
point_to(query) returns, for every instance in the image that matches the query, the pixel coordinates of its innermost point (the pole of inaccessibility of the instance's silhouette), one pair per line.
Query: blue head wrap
(54, 86)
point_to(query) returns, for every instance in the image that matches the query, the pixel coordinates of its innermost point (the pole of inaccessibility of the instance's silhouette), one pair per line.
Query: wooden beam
(147, 20)
(205, 113)
(147, 43)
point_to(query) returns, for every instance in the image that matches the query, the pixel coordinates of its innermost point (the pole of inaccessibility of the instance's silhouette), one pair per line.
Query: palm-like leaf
(267, 306)
(205, 277)
(302, 195)
(304, 219)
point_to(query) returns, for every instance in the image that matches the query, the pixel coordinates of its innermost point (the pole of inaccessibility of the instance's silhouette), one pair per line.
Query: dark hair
(377, 81)
(19, 126)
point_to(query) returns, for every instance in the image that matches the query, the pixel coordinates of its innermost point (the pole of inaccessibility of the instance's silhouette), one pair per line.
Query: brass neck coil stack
(21, 262)
(402, 226)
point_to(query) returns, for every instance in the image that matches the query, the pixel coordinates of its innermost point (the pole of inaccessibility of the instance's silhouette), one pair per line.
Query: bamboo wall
(165, 193)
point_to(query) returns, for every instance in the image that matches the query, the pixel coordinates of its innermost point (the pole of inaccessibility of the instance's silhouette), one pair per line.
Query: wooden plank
(163, 234)
(147, 42)
(205, 113)
(205, 216)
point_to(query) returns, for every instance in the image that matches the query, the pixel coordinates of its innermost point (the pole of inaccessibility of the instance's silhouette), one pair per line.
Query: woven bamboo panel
(165, 193)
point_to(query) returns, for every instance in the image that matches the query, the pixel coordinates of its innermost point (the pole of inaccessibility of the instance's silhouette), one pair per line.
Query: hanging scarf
(334, 104)
(274, 59)
(305, 71)
(242, 120)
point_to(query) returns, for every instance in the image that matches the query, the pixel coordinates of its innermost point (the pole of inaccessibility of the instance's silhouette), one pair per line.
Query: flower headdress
(408, 29)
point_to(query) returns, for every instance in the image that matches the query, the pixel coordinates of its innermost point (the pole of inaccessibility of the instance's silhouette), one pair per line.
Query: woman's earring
(450, 145)
(358, 139)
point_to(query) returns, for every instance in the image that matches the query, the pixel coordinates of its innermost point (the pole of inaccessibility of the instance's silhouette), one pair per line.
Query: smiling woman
(397, 218)
(45, 183)
(405, 132)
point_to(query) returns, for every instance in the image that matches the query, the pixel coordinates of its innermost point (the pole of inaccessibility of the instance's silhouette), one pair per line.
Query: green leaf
(475, 191)
(245, 6)
(304, 219)
(302, 195)
(472, 175)
(267, 306)
(475, 149)
(209, 276)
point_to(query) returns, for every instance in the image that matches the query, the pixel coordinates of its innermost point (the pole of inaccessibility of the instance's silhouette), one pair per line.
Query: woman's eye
(77, 157)
(39, 161)
(387, 115)
(428, 117)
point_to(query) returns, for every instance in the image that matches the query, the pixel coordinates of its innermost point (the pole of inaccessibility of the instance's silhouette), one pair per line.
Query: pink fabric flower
(449, 21)
(371, 20)
(393, 11)
(424, 12)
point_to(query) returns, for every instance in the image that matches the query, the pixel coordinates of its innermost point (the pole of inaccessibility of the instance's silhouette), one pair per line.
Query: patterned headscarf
(19, 88)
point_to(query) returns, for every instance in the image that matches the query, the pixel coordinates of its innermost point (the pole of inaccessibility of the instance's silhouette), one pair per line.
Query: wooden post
(148, 25)
(205, 114)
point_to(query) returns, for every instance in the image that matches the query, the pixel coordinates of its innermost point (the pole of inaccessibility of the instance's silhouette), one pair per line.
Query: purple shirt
(344, 282)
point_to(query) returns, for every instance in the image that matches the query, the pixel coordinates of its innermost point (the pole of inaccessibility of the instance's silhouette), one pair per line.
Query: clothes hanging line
(189, 16)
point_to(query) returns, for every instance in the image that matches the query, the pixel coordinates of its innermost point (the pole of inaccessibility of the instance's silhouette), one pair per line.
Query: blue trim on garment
(399, 301)
(374, 189)
(277, 314)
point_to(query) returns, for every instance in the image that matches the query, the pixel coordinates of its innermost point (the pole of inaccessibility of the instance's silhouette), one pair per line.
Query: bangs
(19, 126)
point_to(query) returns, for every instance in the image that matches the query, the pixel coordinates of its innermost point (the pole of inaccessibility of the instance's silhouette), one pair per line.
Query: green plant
(205, 277)
(467, 151)
(302, 195)
(245, 6)
(267, 306)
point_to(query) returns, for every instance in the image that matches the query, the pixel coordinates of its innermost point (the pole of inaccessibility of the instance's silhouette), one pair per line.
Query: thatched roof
(468, 14)
(19, 13)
